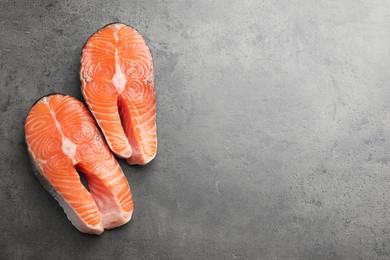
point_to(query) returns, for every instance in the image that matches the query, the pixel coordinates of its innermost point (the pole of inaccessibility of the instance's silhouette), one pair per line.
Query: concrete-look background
(273, 127)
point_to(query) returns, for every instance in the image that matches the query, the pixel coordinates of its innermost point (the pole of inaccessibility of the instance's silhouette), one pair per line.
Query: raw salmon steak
(63, 139)
(117, 84)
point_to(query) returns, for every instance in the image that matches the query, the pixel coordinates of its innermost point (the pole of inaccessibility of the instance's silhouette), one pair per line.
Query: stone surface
(273, 127)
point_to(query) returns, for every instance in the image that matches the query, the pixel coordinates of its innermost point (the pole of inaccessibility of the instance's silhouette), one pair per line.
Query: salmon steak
(117, 84)
(63, 139)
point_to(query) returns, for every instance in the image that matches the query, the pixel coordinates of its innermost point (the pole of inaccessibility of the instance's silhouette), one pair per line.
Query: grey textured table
(273, 127)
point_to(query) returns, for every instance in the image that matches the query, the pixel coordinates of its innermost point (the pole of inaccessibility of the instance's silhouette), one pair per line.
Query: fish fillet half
(62, 139)
(118, 86)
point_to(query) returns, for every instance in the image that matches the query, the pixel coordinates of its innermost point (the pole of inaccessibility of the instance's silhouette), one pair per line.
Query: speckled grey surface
(273, 126)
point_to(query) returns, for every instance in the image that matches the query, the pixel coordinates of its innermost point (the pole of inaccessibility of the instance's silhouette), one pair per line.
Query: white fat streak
(119, 80)
(116, 32)
(117, 26)
(68, 147)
